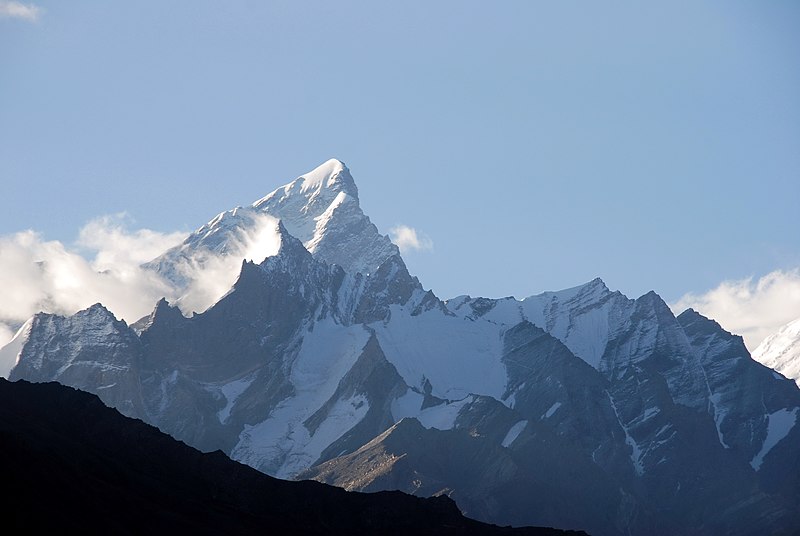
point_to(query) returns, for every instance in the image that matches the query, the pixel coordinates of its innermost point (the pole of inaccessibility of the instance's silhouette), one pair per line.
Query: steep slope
(72, 464)
(652, 450)
(743, 392)
(319, 208)
(781, 351)
(90, 348)
(9, 354)
(485, 478)
(755, 409)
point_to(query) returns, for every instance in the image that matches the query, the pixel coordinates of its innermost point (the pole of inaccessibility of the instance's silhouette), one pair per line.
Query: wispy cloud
(105, 265)
(10, 9)
(409, 239)
(116, 247)
(210, 275)
(752, 308)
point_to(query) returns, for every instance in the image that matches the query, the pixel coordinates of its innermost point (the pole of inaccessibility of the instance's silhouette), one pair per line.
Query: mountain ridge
(302, 363)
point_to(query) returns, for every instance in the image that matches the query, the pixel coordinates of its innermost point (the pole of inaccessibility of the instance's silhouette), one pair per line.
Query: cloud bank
(408, 239)
(40, 275)
(752, 308)
(116, 248)
(10, 9)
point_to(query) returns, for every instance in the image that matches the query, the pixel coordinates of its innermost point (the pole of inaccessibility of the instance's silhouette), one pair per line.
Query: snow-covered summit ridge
(332, 176)
(592, 289)
(309, 198)
(319, 208)
(584, 317)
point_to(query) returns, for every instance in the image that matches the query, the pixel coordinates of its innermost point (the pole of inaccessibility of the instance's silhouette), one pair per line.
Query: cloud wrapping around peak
(752, 308)
(409, 239)
(106, 265)
(117, 248)
(210, 275)
(40, 275)
(11, 9)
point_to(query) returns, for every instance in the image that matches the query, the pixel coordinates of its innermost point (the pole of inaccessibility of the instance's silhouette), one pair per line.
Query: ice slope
(781, 351)
(513, 433)
(231, 391)
(282, 445)
(779, 424)
(584, 318)
(9, 354)
(468, 360)
(442, 416)
(302, 202)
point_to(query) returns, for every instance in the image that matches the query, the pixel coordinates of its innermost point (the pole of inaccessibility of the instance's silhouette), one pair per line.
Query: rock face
(77, 466)
(328, 360)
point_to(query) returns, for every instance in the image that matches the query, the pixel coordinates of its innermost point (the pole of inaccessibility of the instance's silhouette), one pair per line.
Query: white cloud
(751, 308)
(408, 239)
(211, 275)
(105, 266)
(39, 275)
(117, 248)
(17, 10)
(6, 334)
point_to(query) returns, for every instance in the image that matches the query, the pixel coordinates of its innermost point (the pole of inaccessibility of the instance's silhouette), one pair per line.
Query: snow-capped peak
(581, 317)
(325, 182)
(319, 208)
(310, 197)
(587, 292)
(332, 174)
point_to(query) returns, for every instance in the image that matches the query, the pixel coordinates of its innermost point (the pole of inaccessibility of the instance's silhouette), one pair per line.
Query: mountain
(70, 463)
(781, 351)
(319, 208)
(326, 359)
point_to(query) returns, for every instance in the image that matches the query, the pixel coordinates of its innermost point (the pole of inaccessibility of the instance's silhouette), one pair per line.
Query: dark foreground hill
(70, 464)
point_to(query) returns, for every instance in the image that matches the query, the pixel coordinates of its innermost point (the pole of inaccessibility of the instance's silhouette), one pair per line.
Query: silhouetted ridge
(72, 465)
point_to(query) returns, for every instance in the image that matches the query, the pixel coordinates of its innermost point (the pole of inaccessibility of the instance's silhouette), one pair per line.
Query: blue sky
(536, 144)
